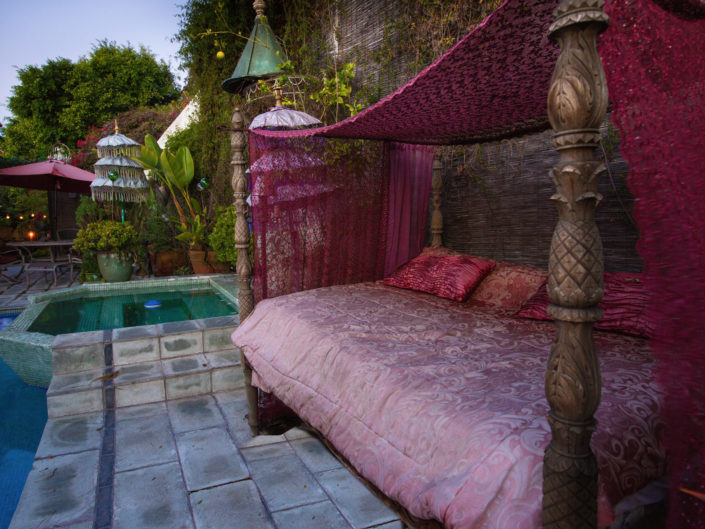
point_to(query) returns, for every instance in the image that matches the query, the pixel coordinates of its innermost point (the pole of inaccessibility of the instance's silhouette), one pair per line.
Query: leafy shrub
(107, 236)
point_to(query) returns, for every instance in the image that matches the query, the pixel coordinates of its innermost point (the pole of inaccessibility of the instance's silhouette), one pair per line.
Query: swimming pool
(97, 311)
(27, 348)
(23, 414)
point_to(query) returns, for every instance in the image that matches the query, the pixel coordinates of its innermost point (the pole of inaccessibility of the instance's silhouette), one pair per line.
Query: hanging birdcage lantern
(118, 176)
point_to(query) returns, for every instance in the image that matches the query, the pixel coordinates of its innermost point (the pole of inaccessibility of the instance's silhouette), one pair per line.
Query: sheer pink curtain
(410, 171)
(655, 68)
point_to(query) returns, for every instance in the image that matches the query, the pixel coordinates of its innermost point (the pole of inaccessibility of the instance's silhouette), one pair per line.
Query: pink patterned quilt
(441, 404)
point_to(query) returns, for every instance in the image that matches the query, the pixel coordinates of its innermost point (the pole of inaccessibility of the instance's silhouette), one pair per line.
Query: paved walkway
(13, 296)
(150, 440)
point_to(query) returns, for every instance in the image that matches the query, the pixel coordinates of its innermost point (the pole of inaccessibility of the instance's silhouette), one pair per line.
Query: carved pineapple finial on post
(577, 103)
(436, 215)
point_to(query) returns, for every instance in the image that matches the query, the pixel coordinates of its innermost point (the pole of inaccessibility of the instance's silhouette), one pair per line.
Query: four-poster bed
(434, 401)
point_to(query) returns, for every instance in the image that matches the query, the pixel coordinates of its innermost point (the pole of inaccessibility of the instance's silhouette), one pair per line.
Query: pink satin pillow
(624, 304)
(447, 276)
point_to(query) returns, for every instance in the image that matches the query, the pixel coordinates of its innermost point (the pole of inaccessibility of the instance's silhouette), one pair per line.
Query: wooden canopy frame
(577, 103)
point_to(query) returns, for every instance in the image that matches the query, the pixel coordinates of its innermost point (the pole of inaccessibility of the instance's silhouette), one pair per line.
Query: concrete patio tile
(322, 515)
(77, 433)
(217, 339)
(138, 372)
(75, 381)
(261, 440)
(224, 358)
(218, 322)
(285, 482)
(209, 458)
(227, 378)
(188, 385)
(138, 393)
(137, 350)
(182, 344)
(297, 433)
(144, 441)
(315, 455)
(194, 413)
(145, 410)
(151, 498)
(74, 403)
(177, 327)
(131, 333)
(232, 505)
(359, 506)
(185, 364)
(231, 396)
(58, 491)
(268, 451)
(398, 524)
(235, 413)
(72, 358)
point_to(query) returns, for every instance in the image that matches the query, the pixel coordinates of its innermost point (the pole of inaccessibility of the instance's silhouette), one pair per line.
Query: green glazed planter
(113, 267)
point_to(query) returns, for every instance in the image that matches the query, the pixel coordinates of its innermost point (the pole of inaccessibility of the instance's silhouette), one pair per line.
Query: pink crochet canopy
(493, 84)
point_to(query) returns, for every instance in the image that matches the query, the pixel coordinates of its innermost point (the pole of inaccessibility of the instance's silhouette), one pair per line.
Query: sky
(34, 31)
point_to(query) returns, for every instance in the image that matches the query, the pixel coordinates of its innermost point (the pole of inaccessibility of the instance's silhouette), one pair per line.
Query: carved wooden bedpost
(577, 102)
(246, 300)
(436, 215)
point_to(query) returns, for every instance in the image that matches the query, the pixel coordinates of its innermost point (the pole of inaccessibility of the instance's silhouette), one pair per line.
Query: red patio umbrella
(50, 175)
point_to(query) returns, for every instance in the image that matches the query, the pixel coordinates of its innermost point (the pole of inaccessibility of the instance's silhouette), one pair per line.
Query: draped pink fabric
(656, 74)
(317, 208)
(410, 171)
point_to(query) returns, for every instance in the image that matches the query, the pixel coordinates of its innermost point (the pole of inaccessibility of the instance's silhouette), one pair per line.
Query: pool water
(96, 312)
(23, 414)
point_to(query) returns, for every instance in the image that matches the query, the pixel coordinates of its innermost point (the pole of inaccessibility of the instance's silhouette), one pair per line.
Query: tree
(60, 100)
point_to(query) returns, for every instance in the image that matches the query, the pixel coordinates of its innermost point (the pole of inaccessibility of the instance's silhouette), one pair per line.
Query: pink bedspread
(441, 404)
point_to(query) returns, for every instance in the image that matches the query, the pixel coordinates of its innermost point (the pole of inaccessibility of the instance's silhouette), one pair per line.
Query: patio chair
(8, 259)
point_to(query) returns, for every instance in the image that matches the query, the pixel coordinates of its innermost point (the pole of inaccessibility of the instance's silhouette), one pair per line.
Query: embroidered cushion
(510, 285)
(448, 276)
(624, 304)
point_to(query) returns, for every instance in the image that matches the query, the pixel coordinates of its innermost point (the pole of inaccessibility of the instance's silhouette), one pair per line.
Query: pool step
(142, 365)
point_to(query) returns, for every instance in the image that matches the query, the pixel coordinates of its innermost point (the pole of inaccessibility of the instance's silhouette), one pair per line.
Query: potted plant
(193, 232)
(114, 245)
(222, 239)
(176, 172)
(165, 256)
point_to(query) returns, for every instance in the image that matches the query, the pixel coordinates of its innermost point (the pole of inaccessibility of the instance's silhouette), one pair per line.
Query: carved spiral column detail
(243, 266)
(436, 215)
(577, 102)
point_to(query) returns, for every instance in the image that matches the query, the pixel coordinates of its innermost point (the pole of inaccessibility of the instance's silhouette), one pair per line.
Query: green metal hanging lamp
(261, 58)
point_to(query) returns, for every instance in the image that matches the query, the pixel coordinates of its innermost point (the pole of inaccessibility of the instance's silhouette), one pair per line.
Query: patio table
(59, 255)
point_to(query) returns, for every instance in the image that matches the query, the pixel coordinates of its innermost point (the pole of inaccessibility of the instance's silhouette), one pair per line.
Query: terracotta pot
(165, 262)
(113, 267)
(198, 262)
(219, 267)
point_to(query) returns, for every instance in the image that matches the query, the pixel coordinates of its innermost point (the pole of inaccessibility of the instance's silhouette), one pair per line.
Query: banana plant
(174, 170)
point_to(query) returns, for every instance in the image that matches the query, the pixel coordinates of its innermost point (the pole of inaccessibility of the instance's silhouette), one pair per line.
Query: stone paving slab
(315, 455)
(194, 413)
(144, 441)
(58, 491)
(65, 435)
(285, 482)
(321, 515)
(236, 505)
(361, 508)
(151, 498)
(209, 458)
